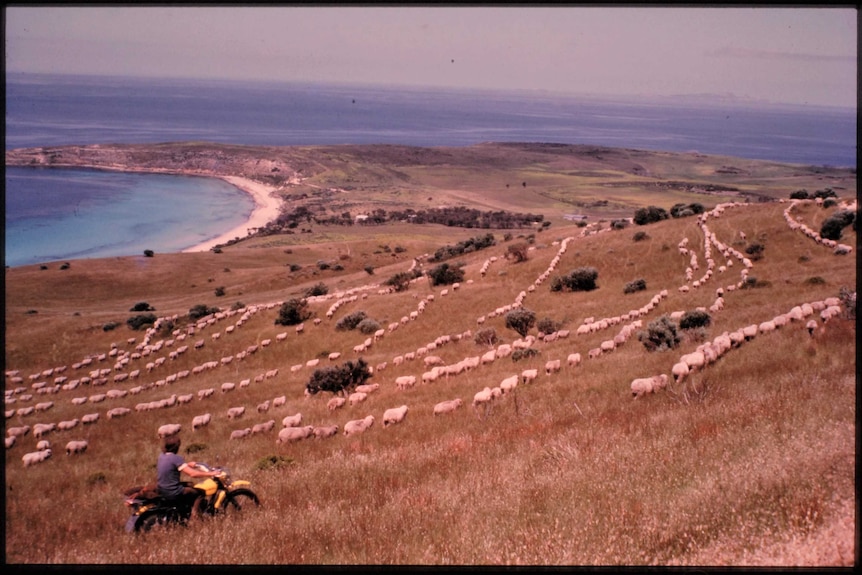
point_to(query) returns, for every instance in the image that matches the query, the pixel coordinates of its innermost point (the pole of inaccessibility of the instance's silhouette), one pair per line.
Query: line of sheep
(838, 249)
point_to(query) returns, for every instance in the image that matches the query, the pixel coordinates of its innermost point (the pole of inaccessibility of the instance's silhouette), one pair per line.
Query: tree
(518, 251)
(136, 322)
(317, 289)
(521, 320)
(486, 336)
(694, 319)
(635, 285)
(201, 310)
(293, 312)
(399, 282)
(148, 253)
(580, 279)
(142, 306)
(832, 226)
(339, 379)
(799, 195)
(445, 274)
(649, 215)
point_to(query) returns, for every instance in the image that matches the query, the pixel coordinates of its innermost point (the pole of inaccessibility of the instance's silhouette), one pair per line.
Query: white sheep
(35, 457)
(367, 388)
(279, 401)
(240, 433)
(169, 429)
(482, 397)
(552, 366)
(76, 446)
(447, 406)
(292, 420)
(403, 382)
(357, 397)
(199, 421)
(43, 444)
(89, 418)
(118, 412)
(643, 385)
(263, 427)
(394, 415)
(529, 375)
(335, 403)
(263, 407)
(227, 386)
(574, 359)
(291, 434)
(235, 412)
(325, 431)
(357, 426)
(680, 371)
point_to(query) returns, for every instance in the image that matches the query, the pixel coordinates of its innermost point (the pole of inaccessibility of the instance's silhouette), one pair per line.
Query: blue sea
(64, 214)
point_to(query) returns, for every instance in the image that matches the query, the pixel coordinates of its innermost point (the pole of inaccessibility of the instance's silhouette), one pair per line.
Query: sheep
(43, 444)
(227, 386)
(334, 355)
(169, 429)
(204, 393)
(643, 385)
(766, 327)
(447, 406)
(509, 384)
(263, 407)
(44, 406)
(76, 446)
(694, 360)
(18, 431)
(279, 401)
(292, 420)
(552, 366)
(357, 397)
(357, 426)
(573, 360)
(679, 371)
(89, 418)
(41, 429)
(335, 403)
(10, 441)
(529, 375)
(403, 382)
(240, 433)
(291, 434)
(235, 412)
(35, 457)
(118, 412)
(482, 397)
(263, 427)
(325, 431)
(367, 388)
(394, 415)
(199, 421)
(811, 326)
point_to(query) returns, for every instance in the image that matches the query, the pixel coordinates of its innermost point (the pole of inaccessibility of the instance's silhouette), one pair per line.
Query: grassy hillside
(748, 462)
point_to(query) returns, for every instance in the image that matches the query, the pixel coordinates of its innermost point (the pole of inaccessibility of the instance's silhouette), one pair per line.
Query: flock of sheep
(158, 355)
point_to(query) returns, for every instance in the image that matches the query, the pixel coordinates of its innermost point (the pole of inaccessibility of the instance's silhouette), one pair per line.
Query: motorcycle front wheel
(239, 500)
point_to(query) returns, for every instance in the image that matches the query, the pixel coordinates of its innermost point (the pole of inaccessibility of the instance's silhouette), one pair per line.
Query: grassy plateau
(749, 461)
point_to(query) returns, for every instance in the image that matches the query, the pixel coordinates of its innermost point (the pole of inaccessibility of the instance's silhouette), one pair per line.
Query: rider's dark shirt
(169, 484)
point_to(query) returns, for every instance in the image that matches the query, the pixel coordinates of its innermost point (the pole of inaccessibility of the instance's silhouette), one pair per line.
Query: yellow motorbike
(219, 495)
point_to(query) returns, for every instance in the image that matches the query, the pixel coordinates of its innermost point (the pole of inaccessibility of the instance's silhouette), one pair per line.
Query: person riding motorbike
(169, 467)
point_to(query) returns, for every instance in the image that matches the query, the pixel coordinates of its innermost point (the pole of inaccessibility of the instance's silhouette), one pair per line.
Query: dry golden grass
(751, 462)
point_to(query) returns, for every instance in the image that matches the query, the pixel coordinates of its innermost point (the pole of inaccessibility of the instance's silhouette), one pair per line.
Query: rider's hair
(172, 444)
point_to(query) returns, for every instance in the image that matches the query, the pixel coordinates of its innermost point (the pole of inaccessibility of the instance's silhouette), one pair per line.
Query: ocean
(64, 214)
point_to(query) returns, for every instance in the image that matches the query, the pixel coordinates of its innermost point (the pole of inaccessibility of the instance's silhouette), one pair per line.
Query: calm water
(57, 110)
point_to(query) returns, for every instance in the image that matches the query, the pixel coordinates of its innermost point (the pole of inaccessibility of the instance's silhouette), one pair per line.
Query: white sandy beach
(266, 209)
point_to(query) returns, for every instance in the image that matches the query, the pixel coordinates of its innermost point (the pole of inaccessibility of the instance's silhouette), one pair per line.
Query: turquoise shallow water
(59, 214)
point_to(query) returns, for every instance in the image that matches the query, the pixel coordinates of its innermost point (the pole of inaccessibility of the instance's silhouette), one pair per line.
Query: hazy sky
(793, 55)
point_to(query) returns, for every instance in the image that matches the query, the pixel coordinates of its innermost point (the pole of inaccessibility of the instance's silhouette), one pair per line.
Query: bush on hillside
(640, 236)
(400, 281)
(486, 336)
(580, 279)
(833, 226)
(546, 325)
(148, 253)
(446, 274)
(755, 251)
(521, 320)
(694, 319)
(520, 354)
(339, 379)
(293, 312)
(368, 326)
(350, 321)
(519, 251)
(649, 215)
(660, 335)
(799, 195)
(136, 322)
(635, 286)
(316, 290)
(142, 306)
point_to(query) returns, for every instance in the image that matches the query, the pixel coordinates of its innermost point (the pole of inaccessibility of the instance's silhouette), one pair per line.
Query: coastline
(267, 208)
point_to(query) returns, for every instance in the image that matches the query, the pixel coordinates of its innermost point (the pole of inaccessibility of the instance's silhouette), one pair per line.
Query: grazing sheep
(291, 434)
(10, 441)
(227, 386)
(529, 375)
(263, 407)
(357, 426)
(447, 406)
(482, 397)
(394, 415)
(334, 355)
(240, 433)
(357, 397)
(35, 457)
(643, 385)
(680, 371)
(574, 359)
(509, 384)
(552, 366)
(169, 429)
(118, 412)
(694, 360)
(204, 393)
(292, 420)
(89, 418)
(811, 326)
(279, 401)
(405, 381)
(43, 444)
(263, 427)
(367, 388)
(201, 421)
(41, 429)
(75, 447)
(326, 431)
(18, 431)
(235, 412)
(335, 403)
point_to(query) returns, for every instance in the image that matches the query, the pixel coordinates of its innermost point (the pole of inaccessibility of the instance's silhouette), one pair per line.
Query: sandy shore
(266, 209)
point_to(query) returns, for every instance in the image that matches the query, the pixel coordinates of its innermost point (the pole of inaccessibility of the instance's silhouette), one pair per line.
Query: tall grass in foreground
(750, 462)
